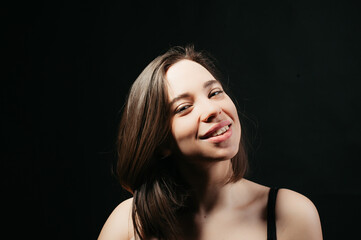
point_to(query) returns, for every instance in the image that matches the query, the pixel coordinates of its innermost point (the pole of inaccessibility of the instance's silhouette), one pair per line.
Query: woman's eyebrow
(187, 95)
(184, 95)
(209, 83)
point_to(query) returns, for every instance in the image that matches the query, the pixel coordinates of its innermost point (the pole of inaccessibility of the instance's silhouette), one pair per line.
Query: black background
(294, 67)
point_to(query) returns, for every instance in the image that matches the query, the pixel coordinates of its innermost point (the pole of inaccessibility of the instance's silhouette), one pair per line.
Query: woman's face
(204, 122)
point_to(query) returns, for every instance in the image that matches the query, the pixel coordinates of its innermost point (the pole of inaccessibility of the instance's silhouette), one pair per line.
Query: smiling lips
(219, 132)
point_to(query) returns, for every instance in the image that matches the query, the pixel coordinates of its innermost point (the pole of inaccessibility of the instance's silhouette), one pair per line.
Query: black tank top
(271, 216)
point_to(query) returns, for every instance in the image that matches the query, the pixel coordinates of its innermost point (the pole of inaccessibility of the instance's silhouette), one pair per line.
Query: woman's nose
(210, 111)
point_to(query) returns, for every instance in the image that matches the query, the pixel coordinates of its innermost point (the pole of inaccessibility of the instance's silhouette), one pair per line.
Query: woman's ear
(165, 152)
(167, 148)
(162, 152)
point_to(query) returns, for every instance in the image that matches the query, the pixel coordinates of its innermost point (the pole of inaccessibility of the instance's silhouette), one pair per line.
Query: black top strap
(271, 216)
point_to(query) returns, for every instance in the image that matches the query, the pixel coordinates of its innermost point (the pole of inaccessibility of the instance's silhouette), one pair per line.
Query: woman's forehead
(185, 75)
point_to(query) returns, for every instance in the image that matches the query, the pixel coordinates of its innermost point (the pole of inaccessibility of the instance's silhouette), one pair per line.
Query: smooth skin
(221, 210)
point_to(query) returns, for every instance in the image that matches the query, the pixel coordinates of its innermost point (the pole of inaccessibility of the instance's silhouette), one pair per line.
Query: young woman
(181, 155)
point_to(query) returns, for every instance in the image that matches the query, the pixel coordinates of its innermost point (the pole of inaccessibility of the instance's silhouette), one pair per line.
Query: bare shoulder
(119, 224)
(297, 217)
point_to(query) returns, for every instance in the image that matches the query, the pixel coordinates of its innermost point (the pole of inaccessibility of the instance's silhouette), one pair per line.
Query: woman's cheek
(183, 131)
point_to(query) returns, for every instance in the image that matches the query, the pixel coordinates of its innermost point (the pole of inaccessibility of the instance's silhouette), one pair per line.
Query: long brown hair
(144, 130)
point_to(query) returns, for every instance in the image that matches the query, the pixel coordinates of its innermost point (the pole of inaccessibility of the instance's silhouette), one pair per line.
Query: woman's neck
(209, 183)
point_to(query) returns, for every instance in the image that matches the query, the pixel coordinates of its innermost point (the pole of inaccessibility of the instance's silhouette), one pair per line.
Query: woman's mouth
(221, 135)
(217, 135)
(217, 129)
(220, 131)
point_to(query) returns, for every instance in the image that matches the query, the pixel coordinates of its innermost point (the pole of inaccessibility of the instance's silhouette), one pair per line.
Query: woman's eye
(182, 108)
(214, 93)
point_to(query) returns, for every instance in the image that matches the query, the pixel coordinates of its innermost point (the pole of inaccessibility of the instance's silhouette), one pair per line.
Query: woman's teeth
(220, 131)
